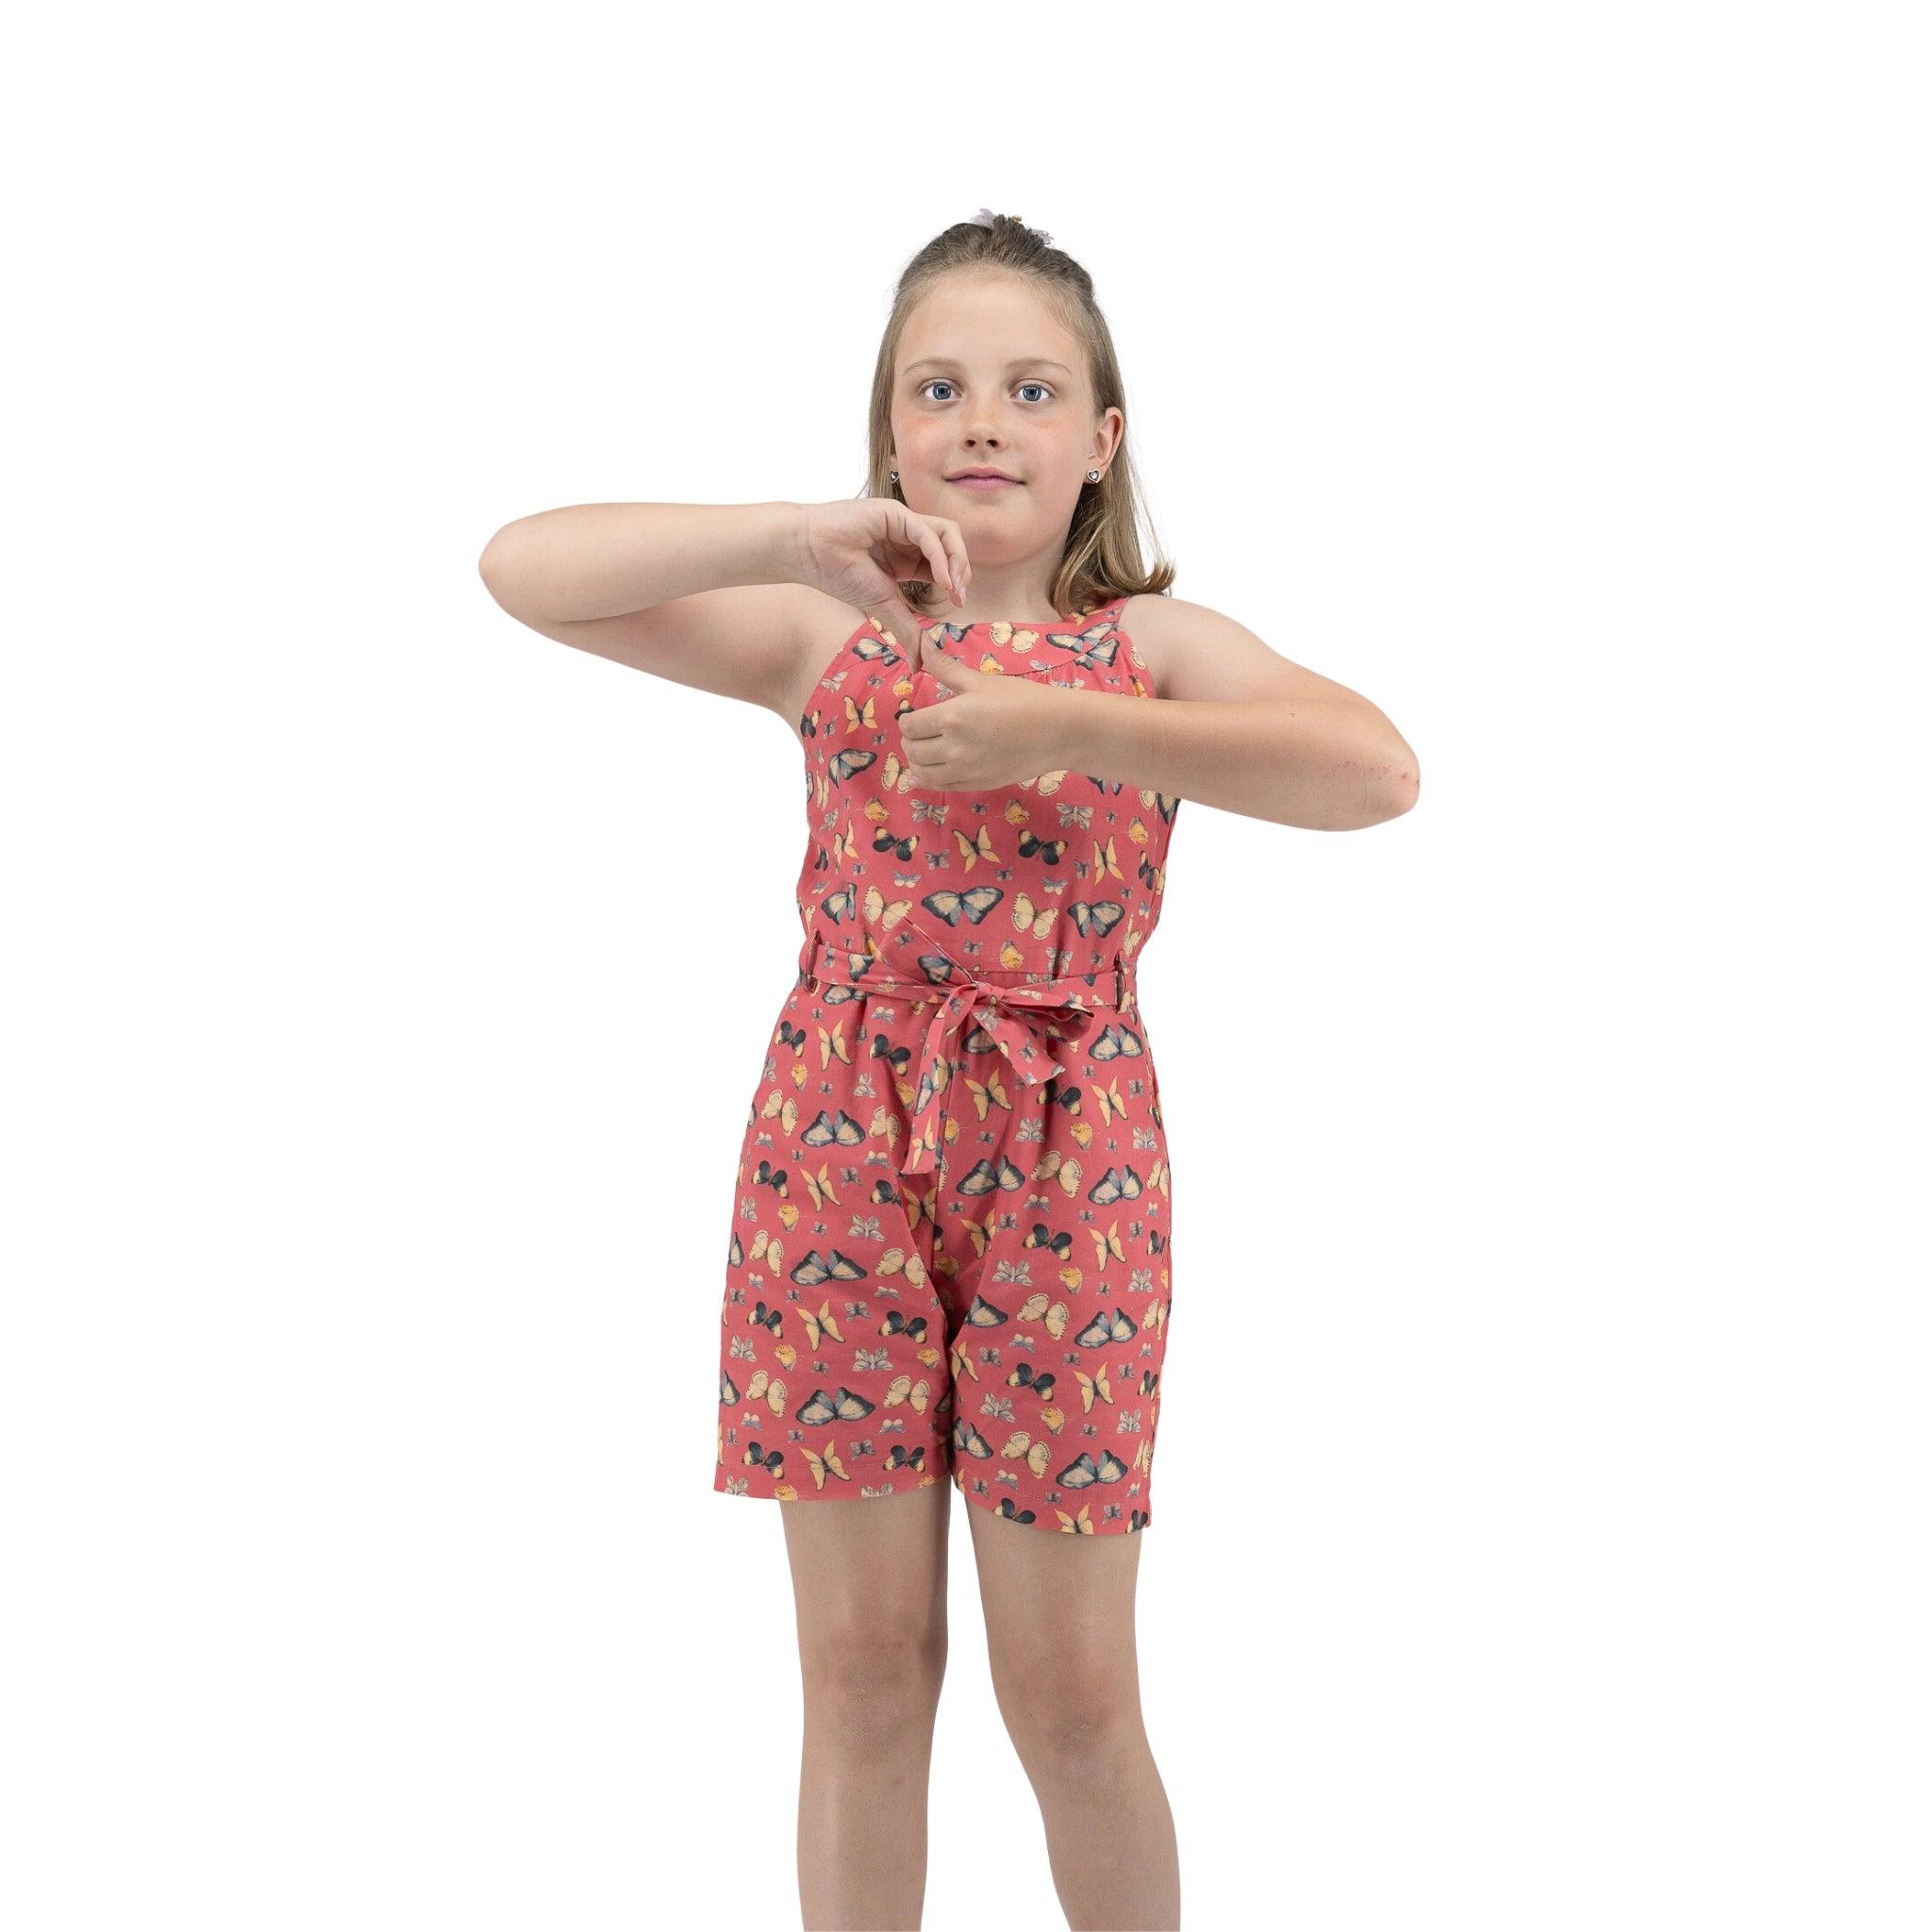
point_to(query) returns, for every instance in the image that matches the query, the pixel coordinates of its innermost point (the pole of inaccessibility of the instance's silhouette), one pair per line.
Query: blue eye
(946, 382)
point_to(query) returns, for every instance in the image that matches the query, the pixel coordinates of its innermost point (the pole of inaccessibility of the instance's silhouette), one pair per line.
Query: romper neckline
(1077, 620)
(1016, 647)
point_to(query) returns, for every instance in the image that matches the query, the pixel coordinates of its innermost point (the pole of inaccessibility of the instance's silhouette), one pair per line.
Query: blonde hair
(1102, 559)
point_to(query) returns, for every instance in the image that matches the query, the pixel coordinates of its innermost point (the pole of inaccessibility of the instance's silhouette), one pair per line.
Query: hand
(995, 730)
(861, 551)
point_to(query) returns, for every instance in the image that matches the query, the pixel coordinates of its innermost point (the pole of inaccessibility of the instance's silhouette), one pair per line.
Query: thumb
(895, 615)
(944, 669)
(948, 667)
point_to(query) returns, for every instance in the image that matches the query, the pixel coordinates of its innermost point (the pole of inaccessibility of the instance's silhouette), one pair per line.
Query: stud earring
(1093, 476)
(896, 475)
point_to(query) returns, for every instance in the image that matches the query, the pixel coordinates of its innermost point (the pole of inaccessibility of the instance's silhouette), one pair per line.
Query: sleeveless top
(1016, 913)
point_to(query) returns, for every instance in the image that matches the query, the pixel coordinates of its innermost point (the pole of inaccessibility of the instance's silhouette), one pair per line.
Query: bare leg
(1060, 1628)
(868, 1578)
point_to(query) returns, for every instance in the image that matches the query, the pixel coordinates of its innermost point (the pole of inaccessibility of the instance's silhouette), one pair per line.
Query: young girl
(950, 1245)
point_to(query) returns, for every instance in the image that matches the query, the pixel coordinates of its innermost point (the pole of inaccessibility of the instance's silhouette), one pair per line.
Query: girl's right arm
(709, 594)
(729, 597)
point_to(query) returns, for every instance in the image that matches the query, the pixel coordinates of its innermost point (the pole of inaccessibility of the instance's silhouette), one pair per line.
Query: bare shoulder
(1194, 652)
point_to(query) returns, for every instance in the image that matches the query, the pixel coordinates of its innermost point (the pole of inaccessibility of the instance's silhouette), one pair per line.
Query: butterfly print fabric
(950, 1228)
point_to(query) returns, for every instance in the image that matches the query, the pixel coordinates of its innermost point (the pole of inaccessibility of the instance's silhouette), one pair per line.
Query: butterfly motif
(972, 905)
(978, 846)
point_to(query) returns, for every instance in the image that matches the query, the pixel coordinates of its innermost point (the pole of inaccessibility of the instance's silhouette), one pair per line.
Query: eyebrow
(1018, 362)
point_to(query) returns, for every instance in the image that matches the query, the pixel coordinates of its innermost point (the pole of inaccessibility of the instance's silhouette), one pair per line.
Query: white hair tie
(985, 219)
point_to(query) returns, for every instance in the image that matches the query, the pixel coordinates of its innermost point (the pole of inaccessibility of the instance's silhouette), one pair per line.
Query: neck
(1019, 622)
(996, 597)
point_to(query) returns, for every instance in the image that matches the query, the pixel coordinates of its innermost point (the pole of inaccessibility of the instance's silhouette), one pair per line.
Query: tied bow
(1028, 1051)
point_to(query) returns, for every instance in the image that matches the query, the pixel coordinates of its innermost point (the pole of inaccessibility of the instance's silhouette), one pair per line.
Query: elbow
(497, 564)
(490, 566)
(1401, 786)
(1398, 779)
(1383, 778)
(1373, 796)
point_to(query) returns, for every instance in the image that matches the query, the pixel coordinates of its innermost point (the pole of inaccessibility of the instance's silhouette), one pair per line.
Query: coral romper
(949, 1242)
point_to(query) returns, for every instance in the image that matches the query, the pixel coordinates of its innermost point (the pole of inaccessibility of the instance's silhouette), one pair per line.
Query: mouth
(984, 481)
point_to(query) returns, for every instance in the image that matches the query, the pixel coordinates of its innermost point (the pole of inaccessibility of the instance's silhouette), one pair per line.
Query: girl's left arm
(1235, 724)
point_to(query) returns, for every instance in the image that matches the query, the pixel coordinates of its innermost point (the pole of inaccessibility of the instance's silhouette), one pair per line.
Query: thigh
(874, 1571)
(1055, 1603)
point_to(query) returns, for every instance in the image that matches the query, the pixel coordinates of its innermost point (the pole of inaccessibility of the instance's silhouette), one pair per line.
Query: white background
(1544, 1482)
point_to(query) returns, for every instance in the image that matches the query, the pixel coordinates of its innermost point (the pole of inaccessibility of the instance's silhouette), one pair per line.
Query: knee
(872, 1668)
(1070, 1708)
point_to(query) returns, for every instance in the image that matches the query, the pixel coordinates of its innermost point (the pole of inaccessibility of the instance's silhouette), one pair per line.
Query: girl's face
(987, 379)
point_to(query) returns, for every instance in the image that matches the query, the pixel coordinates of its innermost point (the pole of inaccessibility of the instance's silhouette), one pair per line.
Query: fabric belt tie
(1013, 1016)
